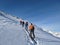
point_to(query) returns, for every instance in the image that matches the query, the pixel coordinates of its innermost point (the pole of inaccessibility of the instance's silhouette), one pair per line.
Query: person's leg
(26, 28)
(33, 34)
(22, 25)
(30, 34)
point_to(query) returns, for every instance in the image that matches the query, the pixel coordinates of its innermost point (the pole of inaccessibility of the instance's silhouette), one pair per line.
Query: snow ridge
(12, 33)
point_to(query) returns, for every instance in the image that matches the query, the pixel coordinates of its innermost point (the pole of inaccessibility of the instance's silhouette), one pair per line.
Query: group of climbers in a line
(28, 27)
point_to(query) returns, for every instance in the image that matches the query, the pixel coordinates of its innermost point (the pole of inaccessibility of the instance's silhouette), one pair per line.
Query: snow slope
(11, 33)
(57, 34)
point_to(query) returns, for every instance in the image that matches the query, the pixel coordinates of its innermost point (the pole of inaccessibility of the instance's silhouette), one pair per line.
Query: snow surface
(57, 34)
(12, 33)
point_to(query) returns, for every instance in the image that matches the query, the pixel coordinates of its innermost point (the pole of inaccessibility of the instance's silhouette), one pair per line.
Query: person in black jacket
(26, 26)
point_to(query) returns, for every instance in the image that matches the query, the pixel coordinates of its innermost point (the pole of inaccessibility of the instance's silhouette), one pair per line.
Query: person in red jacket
(22, 23)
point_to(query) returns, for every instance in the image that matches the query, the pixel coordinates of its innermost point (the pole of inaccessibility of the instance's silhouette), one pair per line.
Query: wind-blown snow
(12, 33)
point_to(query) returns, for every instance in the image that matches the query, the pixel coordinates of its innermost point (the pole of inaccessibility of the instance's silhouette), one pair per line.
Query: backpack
(31, 27)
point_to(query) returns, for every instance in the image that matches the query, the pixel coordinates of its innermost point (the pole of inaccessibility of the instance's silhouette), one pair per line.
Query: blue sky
(43, 13)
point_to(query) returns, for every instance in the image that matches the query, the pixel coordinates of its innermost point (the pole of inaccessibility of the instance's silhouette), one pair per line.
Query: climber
(22, 23)
(31, 28)
(26, 26)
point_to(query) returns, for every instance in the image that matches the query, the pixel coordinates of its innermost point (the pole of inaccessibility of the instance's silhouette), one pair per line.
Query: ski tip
(38, 43)
(35, 41)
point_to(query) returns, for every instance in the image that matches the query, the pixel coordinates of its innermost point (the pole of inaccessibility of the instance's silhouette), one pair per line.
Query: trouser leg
(31, 35)
(26, 28)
